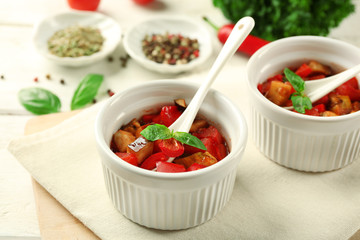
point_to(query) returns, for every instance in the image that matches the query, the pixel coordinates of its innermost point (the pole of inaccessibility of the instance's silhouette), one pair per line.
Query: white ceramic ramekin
(297, 141)
(169, 200)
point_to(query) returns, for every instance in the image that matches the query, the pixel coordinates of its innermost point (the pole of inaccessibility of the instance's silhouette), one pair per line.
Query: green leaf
(39, 101)
(301, 103)
(278, 19)
(86, 90)
(296, 81)
(156, 132)
(189, 139)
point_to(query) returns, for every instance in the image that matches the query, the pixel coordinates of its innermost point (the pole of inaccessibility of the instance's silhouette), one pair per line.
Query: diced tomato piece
(190, 149)
(316, 110)
(304, 70)
(323, 100)
(150, 162)
(194, 167)
(210, 132)
(221, 151)
(210, 145)
(128, 157)
(157, 119)
(169, 114)
(171, 147)
(277, 77)
(149, 118)
(348, 90)
(156, 146)
(353, 82)
(169, 167)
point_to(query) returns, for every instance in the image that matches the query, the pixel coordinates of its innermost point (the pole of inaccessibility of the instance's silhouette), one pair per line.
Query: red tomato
(87, 5)
(316, 110)
(149, 118)
(150, 162)
(221, 151)
(348, 90)
(210, 145)
(128, 157)
(171, 147)
(143, 2)
(169, 114)
(304, 70)
(277, 77)
(169, 167)
(211, 132)
(194, 167)
(190, 149)
(323, 100)
(353, 82)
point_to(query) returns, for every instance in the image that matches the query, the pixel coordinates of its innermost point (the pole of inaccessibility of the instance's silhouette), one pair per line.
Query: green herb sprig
(157, 131)
(299, 100)
(283, 18)
(41, 101)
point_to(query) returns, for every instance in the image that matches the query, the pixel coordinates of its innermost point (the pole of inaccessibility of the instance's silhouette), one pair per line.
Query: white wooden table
(20, 64)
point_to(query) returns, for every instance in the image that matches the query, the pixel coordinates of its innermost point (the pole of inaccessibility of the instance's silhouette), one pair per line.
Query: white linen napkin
(269, 201)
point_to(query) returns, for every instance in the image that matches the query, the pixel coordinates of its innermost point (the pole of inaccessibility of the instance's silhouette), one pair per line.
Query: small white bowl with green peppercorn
(168, 44)
(76, 38)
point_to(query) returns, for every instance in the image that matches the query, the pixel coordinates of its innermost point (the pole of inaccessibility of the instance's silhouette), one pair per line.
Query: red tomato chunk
(343, 100)
(132, 147)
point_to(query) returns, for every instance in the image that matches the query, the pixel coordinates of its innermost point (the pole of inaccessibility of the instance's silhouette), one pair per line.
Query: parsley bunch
(283, 18)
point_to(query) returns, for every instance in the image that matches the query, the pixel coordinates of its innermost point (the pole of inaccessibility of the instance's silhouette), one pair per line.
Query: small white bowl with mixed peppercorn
(168, 44)
(317, 137)
(76, 38)
(142, 182)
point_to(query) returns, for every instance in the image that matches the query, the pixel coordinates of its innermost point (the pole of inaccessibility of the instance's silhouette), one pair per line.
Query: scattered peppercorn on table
(21, 67)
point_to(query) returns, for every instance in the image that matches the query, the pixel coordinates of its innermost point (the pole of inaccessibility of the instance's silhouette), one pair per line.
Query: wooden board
(55, 222)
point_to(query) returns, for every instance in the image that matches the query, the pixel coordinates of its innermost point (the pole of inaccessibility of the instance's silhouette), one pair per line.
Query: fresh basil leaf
(296, 81)
(156, 132)
(189, 139)
(39, 101)
(86, 90)
(301, 103)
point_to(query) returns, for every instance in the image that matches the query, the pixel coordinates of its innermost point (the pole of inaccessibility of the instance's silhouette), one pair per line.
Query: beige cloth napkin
(268, 202)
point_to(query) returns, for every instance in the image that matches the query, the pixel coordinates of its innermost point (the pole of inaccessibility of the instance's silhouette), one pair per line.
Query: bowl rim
(204, 55)
(276, 108)
(82, 60)
(241, 144)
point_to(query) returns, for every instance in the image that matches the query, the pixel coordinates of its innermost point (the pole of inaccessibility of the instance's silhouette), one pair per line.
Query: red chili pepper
(250, 45)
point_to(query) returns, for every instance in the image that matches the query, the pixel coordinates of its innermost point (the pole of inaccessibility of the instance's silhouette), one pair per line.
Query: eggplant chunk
(132, 126)
(202, 158)
(340, 104)
(328, 114)
(278, 93)
(180, 103)
(122, 139)
(197, 124)
(320, 68)
(141, 147)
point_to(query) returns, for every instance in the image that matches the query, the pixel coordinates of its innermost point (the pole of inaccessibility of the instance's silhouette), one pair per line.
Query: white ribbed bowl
(169, 200)
(297, 141)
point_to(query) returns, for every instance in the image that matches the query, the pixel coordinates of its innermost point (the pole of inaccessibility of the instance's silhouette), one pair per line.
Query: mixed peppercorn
(170, 49)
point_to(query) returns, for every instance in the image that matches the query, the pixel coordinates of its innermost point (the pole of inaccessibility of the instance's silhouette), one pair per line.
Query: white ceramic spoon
(241, 30)
(316, 89)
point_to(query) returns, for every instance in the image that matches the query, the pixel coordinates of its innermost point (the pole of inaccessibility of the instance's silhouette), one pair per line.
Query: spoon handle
(316, 89)
(241, 30)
